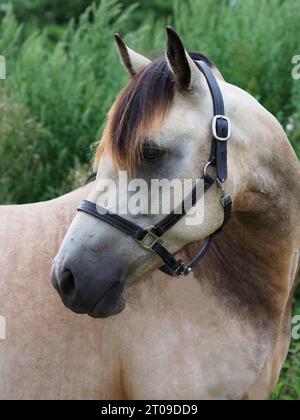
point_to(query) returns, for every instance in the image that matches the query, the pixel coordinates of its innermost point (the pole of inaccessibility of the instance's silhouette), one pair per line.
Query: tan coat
(176, 338)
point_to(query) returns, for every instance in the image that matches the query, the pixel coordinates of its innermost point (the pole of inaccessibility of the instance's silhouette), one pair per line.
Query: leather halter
(150, 237)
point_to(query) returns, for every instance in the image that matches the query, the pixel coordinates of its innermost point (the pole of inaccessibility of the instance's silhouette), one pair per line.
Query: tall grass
(288, 387)
(252, 41)
(67, 87)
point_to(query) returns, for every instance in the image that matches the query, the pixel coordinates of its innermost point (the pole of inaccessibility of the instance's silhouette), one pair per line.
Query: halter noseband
(150, 237)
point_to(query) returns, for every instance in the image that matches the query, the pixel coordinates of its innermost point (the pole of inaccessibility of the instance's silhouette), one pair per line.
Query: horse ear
(133, 61)
(185, 71)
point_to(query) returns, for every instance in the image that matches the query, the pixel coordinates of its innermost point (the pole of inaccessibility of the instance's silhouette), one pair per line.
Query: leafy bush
(47, 11)
(68, 86)
(21, 140)
(294, 122)
(247, 39)
(288, 387)
(39, 13)
(68, 89)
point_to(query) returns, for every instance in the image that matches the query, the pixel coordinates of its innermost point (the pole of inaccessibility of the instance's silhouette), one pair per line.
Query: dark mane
(147, 98)
(199, 56)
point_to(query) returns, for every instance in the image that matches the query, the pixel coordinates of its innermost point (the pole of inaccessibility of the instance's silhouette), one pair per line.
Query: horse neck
(59, 212)
(252, 265)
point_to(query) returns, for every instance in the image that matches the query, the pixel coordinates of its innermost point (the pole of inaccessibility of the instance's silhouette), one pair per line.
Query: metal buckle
(226, 200)
(225, 197)
(150, 239)
(214, 127)
(182, 269)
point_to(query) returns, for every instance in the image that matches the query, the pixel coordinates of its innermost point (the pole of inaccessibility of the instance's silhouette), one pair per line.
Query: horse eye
(152, 151)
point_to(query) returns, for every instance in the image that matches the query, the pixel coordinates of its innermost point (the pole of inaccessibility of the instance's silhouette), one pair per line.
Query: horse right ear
(133, 61)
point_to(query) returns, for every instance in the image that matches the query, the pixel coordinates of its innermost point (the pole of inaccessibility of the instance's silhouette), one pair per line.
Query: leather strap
(172, 268)
(176, 215)
(150, 240)
(218, 155)
(149, 237)
(106, 216)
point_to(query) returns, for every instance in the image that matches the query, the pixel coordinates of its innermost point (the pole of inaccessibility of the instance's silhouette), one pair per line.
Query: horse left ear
(186, 73)
(133, 61)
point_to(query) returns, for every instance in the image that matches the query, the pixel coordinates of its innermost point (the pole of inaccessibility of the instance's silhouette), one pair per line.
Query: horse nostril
(67, 284)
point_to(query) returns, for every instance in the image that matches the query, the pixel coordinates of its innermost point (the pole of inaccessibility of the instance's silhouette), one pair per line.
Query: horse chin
(106, 310)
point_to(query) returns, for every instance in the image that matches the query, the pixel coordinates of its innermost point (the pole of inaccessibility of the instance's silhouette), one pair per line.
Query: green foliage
(41, 12)
(248, 40)
(156, 8)
(288, 387)
(69, 85)
(67, 88)
(21, 138)
(294, 121)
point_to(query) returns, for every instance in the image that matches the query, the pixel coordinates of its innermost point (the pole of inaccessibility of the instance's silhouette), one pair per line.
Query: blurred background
(63, 72)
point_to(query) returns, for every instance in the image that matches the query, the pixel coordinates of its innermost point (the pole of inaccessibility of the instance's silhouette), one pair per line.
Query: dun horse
(220, 332)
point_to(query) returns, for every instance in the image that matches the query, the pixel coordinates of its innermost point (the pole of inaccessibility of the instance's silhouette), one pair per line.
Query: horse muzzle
(94, 291)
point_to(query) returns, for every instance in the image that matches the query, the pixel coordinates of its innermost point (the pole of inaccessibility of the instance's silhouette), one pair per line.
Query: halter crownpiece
(150, 238)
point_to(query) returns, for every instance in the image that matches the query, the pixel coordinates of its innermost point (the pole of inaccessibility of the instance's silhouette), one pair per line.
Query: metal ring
(209, 163)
